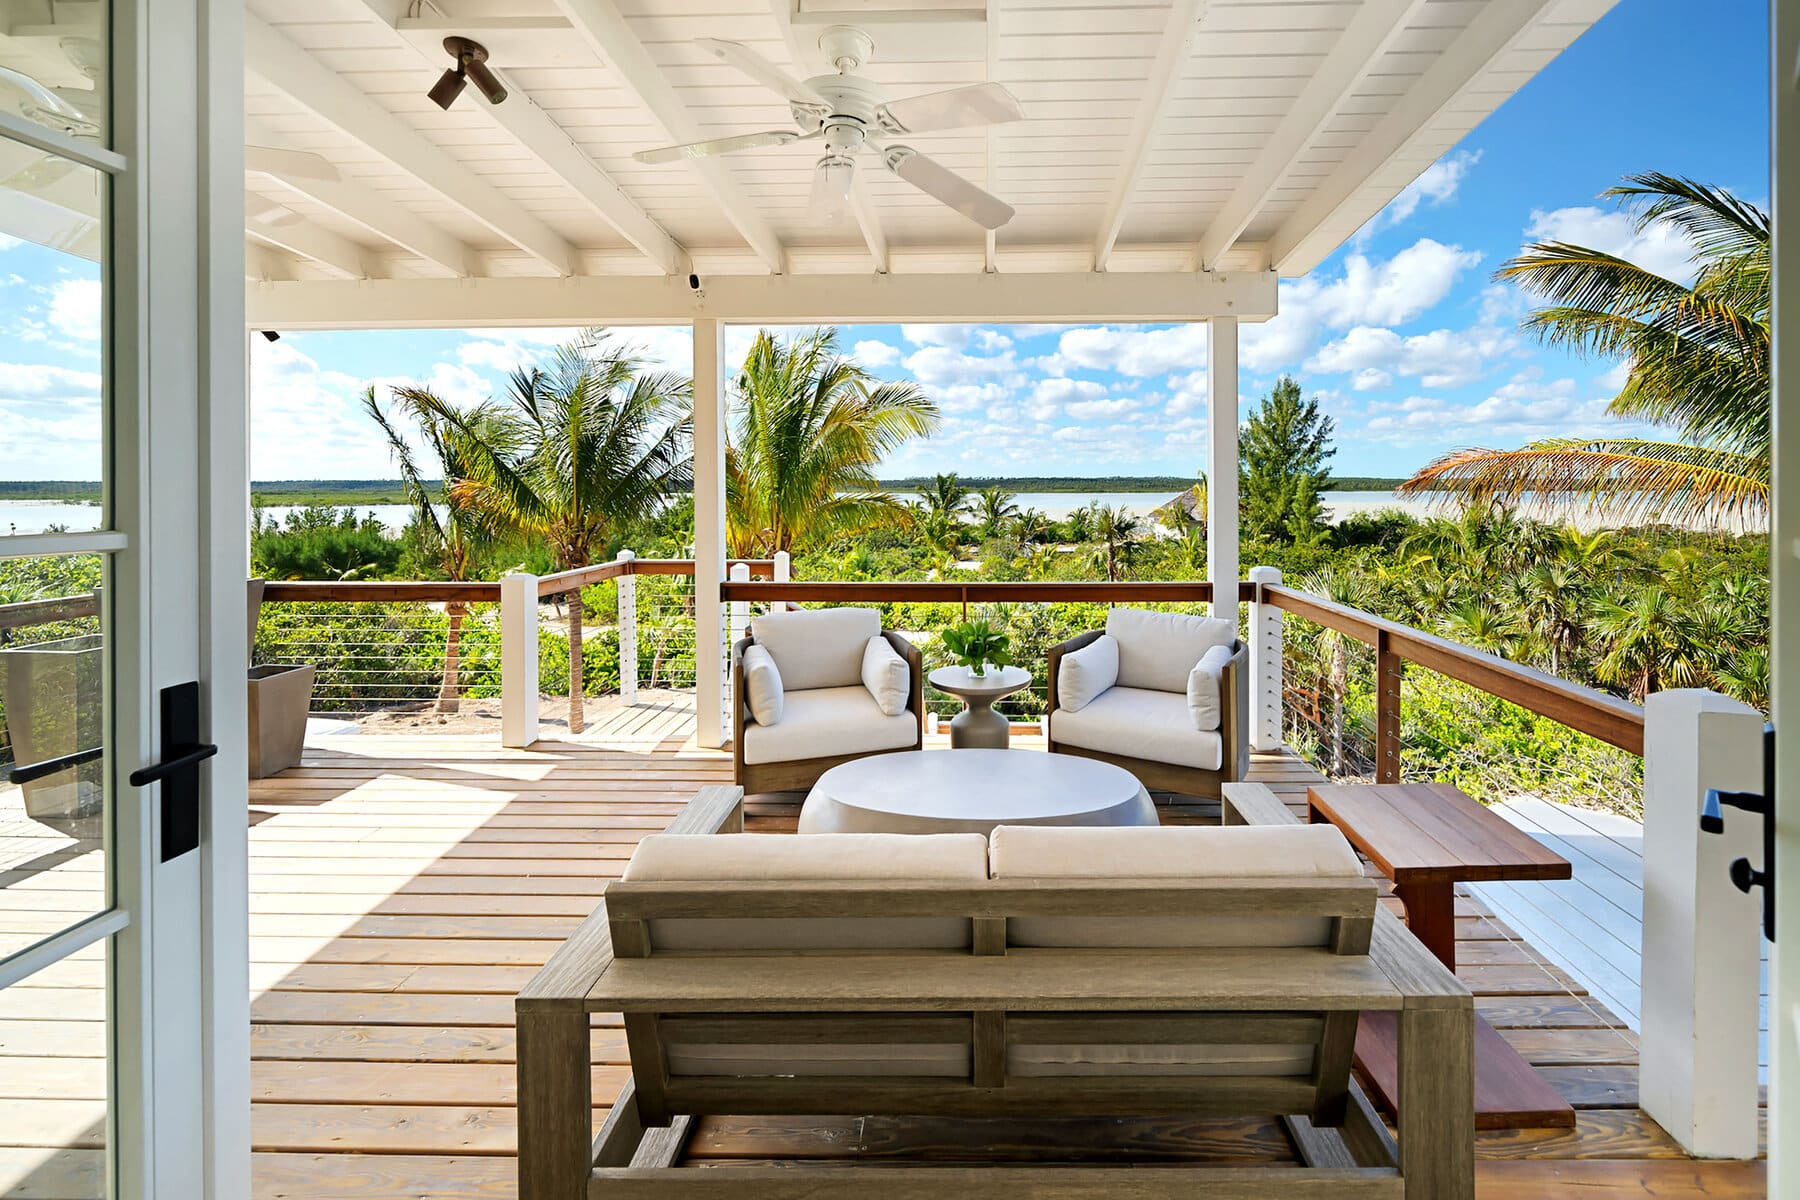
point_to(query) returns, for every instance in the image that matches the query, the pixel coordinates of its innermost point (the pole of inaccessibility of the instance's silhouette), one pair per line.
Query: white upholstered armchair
(1163, 695)
(812, 688)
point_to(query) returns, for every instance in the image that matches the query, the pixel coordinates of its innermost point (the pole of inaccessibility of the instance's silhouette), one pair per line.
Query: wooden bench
(994, 1000)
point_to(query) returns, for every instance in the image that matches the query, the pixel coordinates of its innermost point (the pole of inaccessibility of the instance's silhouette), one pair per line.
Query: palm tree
(1485, 625)
(454, 540)
(1350, 588)
(811, 428)
(1118, 532)
(1651, 643)
(580, 449)
(1699, 363)
(995, 507)
(1030, 525)
(946, 497)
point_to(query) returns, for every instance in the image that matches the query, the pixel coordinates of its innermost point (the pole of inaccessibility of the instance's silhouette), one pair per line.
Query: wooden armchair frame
(795, 774)
(996, 1000)
(1234, 729)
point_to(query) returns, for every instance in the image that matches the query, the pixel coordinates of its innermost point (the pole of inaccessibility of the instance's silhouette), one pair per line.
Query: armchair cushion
(1138, 723)
(1158, 649)
(823, 722)
(1085, 674)
(1205, 688)
(762, 685)
(887, 676)
(817, 648)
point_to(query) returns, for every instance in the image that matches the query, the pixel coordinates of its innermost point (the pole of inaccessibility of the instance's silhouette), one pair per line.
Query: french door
(123, 980)
(1784, 999)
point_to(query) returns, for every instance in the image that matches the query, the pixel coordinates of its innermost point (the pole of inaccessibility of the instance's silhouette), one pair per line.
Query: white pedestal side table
(978, 726)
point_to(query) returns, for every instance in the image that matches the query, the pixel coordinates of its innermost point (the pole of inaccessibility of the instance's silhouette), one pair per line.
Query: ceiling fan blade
(724, 145)
(957, 108)
(762, 70)
(298, 164)
(944, 185)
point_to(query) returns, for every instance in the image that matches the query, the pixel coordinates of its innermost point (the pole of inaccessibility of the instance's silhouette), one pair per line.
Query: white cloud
(1088, 410)
(875, 354)
(1659, 248)
(941, 366)
(1524, 408)
(1439, 359)
(1131, 350)
(75, 309)
(1437, 184)
(957, 337)
(1188, 393)
(1612, 382)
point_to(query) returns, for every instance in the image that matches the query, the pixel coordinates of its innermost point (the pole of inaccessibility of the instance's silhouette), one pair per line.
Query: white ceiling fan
(851, 113)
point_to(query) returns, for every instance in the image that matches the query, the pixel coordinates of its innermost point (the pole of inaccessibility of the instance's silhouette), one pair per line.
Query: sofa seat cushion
(823, 722)
(955, 858)
(1158, 649)
(1134, 723)
(817, 648)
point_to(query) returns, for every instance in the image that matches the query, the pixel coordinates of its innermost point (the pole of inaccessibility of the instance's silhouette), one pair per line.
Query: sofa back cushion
(817, 648)
(952, 858)
(1158, 649)
(1181, 852)
(762, 685)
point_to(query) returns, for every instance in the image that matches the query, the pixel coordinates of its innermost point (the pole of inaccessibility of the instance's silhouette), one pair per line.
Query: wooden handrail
(1614, 721)
(580, 577)
(952, 591)
(312, 591)
(55, 608)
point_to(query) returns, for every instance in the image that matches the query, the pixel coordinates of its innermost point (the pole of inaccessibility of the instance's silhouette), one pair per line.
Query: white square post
(518, 659)
(737, 623)
(709, 531)
(1222, 464)
(1265, 665)
(1702, 937)
(628, 642)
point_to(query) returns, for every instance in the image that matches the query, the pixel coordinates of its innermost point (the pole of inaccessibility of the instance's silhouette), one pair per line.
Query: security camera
(694, 282)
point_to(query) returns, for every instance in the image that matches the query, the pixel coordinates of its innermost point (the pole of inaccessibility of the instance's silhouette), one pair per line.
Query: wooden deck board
(404, 887)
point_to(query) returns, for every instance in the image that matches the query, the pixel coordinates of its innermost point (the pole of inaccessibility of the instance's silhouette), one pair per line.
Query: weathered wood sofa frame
(995, 1000)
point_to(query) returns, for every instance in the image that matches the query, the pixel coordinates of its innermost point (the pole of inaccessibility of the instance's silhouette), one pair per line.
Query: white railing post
(737, 621)
(628, 646)
(518, 660)
(1702, 937)
(1265, 665)
(784, 573)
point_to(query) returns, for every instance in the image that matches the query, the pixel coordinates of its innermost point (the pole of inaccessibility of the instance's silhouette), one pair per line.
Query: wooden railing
(580, 577)
(962, 592)
(26, 613)
(1612, 720)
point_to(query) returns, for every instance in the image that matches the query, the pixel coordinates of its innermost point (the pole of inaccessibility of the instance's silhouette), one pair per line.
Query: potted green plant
(977, 645)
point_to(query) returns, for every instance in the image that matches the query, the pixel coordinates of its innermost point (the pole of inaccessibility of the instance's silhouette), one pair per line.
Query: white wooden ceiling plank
(1368, 36)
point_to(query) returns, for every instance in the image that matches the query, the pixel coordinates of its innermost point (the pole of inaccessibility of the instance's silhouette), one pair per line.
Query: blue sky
(1402, 334)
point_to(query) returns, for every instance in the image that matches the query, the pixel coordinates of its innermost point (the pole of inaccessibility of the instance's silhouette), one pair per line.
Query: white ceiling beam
(287, 68)
(1173, 51)
(358, 203)
(1307, 236)
(265, 264)
(534, 129)
(307, 240)
(1365, 39)
(990, 37)
(1077, 296)
(605, 29)
(869, 221)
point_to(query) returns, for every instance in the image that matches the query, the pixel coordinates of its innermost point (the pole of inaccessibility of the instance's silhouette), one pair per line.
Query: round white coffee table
(971, 791)
(978, 726)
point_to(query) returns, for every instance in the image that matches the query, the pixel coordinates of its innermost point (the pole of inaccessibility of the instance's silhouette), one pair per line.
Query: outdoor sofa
(1047, 972)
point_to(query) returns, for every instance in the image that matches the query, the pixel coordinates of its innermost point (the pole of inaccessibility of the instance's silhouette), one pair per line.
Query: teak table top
(1432, 833)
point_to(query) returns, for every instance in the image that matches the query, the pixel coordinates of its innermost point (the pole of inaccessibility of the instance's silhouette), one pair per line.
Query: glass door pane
(54, 1080)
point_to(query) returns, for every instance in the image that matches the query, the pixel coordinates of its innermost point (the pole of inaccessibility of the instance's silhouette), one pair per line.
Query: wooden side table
(1427, 838)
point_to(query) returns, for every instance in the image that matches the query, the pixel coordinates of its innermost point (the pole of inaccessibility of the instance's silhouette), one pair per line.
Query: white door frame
(1784, 611)
(178, 479)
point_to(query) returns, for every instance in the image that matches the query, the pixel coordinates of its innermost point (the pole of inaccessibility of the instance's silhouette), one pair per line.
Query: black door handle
(1744, 874)
(179, 771)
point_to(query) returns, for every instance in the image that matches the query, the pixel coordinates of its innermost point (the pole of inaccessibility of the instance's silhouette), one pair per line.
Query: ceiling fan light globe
(449, 86)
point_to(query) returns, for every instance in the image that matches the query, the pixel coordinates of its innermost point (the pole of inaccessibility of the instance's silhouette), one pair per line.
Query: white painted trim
(1304, 238)
(38, 545)
(1369, 35)
(519, 659)
(1702, 942)
(1222, 464)
(747, 299)
(287, 68)
(15, 128)
(1173, 51)
(710, 729)
(628, 634)
(33, 959)
(1266, 666)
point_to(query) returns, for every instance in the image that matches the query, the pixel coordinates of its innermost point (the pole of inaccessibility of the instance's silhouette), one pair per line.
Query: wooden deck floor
(403, 889)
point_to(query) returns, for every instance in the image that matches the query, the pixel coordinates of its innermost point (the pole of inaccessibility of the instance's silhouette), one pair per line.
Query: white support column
(628, 644)
(737, 622)
(709, 531)
(1222, 464)
(1702, 937)
(1265, 666)
(518, 659)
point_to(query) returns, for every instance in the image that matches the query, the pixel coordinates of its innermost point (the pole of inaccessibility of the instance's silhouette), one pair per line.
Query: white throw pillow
(817, 647)
(762, 685)
(1083, 675)
(1205, 689)
(886, 675)
(1158, 649)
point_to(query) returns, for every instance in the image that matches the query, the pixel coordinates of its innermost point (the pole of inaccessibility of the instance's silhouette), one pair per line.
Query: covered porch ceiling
(1176, 157)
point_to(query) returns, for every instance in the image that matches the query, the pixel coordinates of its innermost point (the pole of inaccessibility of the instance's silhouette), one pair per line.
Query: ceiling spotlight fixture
(471, 63)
